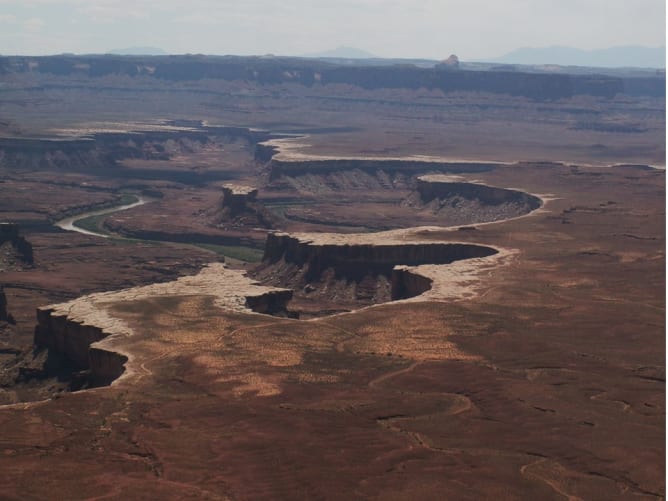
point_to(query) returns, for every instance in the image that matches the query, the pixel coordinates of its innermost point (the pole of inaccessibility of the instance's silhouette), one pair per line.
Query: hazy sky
(472, 29)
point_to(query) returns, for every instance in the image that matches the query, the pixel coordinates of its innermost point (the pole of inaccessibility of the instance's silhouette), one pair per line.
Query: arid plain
(417, 284)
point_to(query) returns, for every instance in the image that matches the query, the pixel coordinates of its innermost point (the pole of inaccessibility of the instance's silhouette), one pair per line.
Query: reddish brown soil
(549, 384)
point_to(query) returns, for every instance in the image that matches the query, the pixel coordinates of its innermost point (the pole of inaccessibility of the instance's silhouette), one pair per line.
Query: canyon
(343, 282)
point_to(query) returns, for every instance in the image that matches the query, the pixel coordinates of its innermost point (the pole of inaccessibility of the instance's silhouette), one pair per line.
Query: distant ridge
(613, 57)
(343, 53)
(138, 51)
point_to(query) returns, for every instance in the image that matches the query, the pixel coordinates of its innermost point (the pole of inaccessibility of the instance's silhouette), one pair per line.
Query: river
(68, 222)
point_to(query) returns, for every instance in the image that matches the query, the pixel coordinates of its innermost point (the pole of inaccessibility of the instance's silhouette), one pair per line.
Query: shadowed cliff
(266, 71)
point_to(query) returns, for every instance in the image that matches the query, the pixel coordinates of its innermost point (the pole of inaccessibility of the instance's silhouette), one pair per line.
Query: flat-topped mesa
(237, 197)
(437, 186)
(11, 232)
(343, 271)
(87, 333)
(366, 252)
(239, 208)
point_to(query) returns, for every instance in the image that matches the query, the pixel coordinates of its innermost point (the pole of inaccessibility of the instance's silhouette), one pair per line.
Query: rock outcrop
(345, 271)
(457, 195)
(270, 303)
(239, 208)
(11, 233)
(432, 187)
(451, 63)
(4, 314)
(86, 332)
(102, 151)
(238, 198)
(309, 73)
(286, 166)
(406, 283)
(350, 254)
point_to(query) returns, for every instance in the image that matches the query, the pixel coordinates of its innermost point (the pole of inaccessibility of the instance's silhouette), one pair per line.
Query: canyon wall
(310, 72)
(73, 154)
(102, 152)
(10, 232)
(295, 168)
(72, 340)
(72, 329)
(437, 187)
(105, 366)
(407, 283)
(354, 260)
(65, 336)
(265, 152)
(4, 314)
(238, 198)
(239, 209)
(331, 272)
(271, 303)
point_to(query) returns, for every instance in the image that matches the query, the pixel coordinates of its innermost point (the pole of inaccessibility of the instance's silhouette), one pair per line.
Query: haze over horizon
(433, 29)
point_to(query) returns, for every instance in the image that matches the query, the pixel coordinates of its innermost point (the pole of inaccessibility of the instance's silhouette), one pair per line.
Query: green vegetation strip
(128, 198)
(247, 254)
(96, 224)
(92, 223)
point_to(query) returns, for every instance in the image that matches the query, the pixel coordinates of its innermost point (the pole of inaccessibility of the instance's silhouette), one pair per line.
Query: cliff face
(338, 272)
(85, 333)
(407, 283)
(101, 152)
(436, 187)
(66, 336)
(4, 315)
(348, 258)
(79, 154)
(267, 71)
(271, 303)
(10, 232)
(295, 168)
(105, 366)
(460, 202)
(238, 198)
(264, 152)
(239, 209)
(531, 85)
(72, 339)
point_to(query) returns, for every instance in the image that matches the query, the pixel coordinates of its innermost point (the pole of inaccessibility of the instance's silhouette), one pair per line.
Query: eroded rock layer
(236, 198)
(4, 315)
(431, 187)
(10, 236)
(86, 333)
(462, 201)
(339, 272)
(299, 166)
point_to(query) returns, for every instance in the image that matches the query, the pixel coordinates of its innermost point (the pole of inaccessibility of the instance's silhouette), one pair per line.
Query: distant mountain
(614, 57)
(138, 51)
(343, 53)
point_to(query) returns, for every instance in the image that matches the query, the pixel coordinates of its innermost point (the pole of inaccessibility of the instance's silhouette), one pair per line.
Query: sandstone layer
(333, 272)
(10, 234)
(4, 314)
(540, 376)
(439, 187)
(237, 197)
(76, 329)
